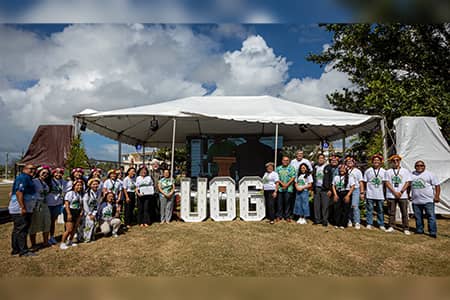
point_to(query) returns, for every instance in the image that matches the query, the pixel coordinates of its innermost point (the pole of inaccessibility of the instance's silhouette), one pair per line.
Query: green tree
(397, 70)
(77, 156)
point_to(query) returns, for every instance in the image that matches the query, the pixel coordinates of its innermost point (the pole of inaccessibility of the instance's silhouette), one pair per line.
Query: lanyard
(376, 173)
(396, 174)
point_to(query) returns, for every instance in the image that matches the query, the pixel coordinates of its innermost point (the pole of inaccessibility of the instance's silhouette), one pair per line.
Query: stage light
(154, 124)
(302, 128)
(83, 126)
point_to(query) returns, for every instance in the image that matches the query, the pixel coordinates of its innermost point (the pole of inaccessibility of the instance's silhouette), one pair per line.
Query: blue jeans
(418, 214)
(355, 214)
(284, 205)
(370, 203)
(301, 207)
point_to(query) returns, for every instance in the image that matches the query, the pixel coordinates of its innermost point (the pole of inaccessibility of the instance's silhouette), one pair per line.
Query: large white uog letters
(215, 196)
(247, 197)
(200, 214)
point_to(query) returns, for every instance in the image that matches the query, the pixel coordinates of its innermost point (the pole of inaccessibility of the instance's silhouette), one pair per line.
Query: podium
(224, 163)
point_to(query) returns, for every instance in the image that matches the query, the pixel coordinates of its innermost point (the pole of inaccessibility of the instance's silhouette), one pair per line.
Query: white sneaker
(349, 224)
(304, 221)
(407, 232)
(341, 227)
(71, 243)
(390, 229)
(383, 228)
(299, 221)
(115, 235)
(369, 227)
(357, 226)
(63, 246)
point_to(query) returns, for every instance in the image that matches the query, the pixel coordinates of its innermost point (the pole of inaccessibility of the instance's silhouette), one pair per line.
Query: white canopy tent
(224, 115)
(420, 138)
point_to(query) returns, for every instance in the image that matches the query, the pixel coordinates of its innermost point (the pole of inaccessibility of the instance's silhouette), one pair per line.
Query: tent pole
(143, 155)
(343, 145)
(276, 145)
(119, 158)
(383, 136)
(173, 147)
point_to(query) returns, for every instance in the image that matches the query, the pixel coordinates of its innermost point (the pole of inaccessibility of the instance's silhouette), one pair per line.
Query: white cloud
(313, 91)
(253, 70)
(112, 66)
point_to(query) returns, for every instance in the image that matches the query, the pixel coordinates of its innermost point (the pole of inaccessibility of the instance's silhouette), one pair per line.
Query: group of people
(91, 203)
(339, 186)
(88, 203)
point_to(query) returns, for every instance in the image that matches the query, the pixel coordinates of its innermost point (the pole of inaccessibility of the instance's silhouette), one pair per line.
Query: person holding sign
(145, 191)
(425, 191)
(374, 192)
(303, 182)
(397, 181)
(343, 187)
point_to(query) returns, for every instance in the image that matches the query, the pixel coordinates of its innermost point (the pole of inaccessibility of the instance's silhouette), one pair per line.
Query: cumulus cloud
(313, 91)
(253, 70)
(47, 79)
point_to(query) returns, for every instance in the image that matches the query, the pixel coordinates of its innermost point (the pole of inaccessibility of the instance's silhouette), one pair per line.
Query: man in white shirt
(299, 159)
(374, 192)
(425, 191)
(397, 180)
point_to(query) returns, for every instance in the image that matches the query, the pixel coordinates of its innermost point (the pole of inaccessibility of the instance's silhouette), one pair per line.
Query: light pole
(6, 166)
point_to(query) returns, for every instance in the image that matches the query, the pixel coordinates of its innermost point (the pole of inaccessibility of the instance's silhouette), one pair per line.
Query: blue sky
(60, 67)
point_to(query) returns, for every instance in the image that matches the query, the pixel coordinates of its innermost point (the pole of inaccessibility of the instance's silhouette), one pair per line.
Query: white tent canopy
(225, 115)
(420, 138)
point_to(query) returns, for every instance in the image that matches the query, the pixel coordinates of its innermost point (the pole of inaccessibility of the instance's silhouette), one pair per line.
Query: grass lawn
(4, 191)
(240, 249)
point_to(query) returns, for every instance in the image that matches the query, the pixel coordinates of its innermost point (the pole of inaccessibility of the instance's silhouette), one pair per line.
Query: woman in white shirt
(91, 200)
(129, 185)
(270, 187)
(303, 182)
(72, 213)
(145, 190)
(343, 186)
(355, 214)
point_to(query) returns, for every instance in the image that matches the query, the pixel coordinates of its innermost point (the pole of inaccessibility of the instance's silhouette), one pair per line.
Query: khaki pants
(107, 226)
(403, 204)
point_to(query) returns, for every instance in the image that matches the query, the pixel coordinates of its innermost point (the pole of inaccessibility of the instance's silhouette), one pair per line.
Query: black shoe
(325, 224)
(418, 232)
(28, 254)
(434, 236)
(15, 252)
(316, 223)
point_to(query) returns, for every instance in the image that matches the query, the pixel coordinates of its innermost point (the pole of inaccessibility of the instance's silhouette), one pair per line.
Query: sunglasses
(396, 160)
(420, 166)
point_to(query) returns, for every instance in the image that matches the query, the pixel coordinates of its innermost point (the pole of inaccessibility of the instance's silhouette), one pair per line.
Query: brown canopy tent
(50, 145)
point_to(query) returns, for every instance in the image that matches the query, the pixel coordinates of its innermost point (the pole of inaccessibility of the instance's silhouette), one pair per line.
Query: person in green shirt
(287, 175)
(166, 188)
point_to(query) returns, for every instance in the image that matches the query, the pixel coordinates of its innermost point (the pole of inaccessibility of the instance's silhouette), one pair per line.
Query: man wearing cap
(374, 191)
(425, 191)
(397, 180)
(21, 205)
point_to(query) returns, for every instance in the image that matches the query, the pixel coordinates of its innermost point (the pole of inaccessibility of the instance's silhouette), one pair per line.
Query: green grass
(4, 191)
(240, 249)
